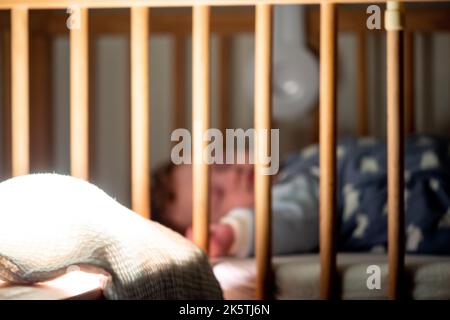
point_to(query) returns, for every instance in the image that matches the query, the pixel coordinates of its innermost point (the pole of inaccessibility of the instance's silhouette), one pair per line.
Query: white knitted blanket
(50, 222)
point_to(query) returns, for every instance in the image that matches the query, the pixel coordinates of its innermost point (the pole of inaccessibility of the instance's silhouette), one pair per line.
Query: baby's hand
(221, 238)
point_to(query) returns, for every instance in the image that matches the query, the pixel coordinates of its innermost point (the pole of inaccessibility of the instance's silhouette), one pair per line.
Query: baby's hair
(162, 194)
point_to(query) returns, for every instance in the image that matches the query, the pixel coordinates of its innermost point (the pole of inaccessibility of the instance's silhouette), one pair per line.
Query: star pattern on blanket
(340, 152)
(444, 222)
(429, 160)
(362, 193)
(369, 165)
(315, 171)
(351, 201)
(414, 237)
(434, 184)
(362, 222)
(310, 151)
(407, 175)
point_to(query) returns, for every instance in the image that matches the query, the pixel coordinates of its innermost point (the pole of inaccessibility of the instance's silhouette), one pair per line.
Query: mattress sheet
(297, 277)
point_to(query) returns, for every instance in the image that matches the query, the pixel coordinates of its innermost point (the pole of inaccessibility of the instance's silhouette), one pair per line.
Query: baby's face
(231, 187)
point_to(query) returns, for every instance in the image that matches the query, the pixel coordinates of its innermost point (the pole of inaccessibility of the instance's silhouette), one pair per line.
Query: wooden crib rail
(200, 123)
(395, 167)
(63, 4)
(140, 159)
(79, 97)
(20, 92)
(327, 137)
(263, 103)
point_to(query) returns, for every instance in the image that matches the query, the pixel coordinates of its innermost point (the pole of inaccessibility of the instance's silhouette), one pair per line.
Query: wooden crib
(140, 113)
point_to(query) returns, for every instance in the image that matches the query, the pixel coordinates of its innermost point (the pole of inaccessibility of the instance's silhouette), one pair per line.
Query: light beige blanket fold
(50, 222)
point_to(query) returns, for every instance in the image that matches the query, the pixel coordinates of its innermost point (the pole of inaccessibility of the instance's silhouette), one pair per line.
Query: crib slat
(140, 162)
(79, 97)
(361, 83)
(20, 92)
(327, 149)
(61, 4)
(200, 122)
(393, 25)
(263, 97)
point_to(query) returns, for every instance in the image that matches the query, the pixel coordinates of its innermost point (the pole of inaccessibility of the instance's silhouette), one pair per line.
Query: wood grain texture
(161, 21)
(79, 98)
(240, 20)
(140, 114)
(395, 160)
(262, 122)
(20, 92)
(328, 181)
(200, 123)
(55, 4)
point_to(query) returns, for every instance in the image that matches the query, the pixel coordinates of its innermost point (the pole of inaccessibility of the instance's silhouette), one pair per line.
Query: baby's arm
(294, 220)
(221, 238)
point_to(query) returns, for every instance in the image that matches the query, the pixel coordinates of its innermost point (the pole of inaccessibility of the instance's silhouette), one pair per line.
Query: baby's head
(231, 187)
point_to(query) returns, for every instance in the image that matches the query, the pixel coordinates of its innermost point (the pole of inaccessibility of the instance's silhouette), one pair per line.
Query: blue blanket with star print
(362, 192)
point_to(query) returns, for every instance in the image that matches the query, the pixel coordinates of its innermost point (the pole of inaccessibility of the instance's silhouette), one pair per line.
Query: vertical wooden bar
(200, 122)
(6, 104)
(140, 161)
(327, 137)
(362, 124)
(20, 92)
(41, 103)
(395, 95)
(224, 81)
(79, 97)
(263, 103)
(179, 79)
(410, 117)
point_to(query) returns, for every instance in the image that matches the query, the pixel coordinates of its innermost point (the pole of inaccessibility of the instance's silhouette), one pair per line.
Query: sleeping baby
(361, 205)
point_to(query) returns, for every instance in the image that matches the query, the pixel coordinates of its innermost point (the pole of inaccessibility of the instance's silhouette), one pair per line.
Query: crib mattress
(297, 277)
